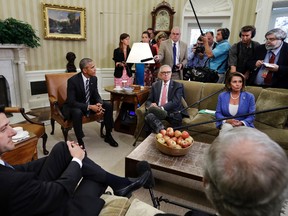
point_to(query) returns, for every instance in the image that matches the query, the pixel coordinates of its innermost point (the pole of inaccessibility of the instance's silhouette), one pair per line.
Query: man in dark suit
(269, 65)
(165, 100)
(78, 103)
(64, 183)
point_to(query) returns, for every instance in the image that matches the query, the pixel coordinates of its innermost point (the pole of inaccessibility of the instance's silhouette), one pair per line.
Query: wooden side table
(137, 98)
(24, 151)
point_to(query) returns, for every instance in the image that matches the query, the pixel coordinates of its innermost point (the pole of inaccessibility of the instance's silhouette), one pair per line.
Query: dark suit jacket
(280, 78)
(76, 97)
(118, 56)
(175, 95)
(23, 193)
(246, 105)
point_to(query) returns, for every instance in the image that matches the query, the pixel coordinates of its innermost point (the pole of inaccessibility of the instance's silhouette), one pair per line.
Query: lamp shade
(140, 53)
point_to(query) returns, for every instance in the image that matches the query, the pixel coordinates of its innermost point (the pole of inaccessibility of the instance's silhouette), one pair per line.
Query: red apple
(159, 135)
(184, 144)
(185, 134)
(175, 138)
(189, 140)
(177, 133)
(163, 132)
(170, 131)
(161, 140)
(171, 143)
(179, 140)
(166, 138)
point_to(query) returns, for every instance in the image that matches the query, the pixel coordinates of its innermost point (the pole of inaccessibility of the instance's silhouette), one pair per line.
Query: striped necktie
(87, 92)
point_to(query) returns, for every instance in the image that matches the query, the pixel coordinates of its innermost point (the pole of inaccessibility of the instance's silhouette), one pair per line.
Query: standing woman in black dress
(122, 70)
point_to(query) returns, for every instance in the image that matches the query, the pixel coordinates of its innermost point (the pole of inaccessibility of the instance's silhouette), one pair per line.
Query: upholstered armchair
(32, 126)
(57, 93)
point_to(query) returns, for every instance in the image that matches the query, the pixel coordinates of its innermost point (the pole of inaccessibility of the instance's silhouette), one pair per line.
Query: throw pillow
(268, 100)
(138, 207)
(114, 205)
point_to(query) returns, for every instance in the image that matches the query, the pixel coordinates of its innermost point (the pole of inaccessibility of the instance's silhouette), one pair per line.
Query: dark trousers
(86, 199)
(75, 114)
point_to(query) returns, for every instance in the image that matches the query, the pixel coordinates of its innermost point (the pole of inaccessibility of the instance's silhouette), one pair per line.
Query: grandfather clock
(162, 17)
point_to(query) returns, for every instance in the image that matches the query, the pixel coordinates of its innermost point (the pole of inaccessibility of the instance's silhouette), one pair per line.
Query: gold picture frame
(64, 22)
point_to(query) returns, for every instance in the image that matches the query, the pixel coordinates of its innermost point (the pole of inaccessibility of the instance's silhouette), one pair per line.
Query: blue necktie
(174, 53)
(8, 165)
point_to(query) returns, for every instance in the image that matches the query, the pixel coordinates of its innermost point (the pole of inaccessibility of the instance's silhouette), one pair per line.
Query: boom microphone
(141, 168)
(147, 59)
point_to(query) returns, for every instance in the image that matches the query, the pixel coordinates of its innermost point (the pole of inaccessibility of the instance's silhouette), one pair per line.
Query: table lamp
(140, 55)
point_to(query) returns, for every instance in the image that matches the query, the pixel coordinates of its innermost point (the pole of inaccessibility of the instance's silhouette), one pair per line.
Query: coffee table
(189, 166)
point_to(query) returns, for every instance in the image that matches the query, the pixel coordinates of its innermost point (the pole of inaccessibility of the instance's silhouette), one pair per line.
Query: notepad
(207, 111)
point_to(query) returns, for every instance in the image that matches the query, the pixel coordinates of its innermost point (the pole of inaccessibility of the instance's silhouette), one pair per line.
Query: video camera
(200, 49)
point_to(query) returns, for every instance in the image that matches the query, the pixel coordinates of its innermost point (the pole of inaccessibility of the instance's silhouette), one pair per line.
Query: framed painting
(64, 22)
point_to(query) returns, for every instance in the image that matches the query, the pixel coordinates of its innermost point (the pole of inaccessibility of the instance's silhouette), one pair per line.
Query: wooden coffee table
(189, 166)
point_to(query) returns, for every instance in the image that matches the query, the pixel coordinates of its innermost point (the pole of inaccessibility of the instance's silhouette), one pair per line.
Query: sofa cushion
(268, 100)
(114, 205)
(138, 207)
(208, 128)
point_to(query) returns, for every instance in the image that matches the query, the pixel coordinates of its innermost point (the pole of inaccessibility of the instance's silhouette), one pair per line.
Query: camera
(200, 49)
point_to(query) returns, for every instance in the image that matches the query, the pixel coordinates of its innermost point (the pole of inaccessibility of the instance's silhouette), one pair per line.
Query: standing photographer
(196, 54)
(219, 55)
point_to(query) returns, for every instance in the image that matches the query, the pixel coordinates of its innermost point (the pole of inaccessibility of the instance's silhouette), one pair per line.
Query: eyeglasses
(175, 33)
(165, 72)
(271, 39)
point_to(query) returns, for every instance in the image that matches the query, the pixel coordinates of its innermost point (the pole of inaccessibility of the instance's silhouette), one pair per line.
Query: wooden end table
(24, 151)
(189, 166)
(137, 98)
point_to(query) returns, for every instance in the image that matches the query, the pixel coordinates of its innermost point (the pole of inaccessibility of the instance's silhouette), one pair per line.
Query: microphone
(141, 168)
(147, 59)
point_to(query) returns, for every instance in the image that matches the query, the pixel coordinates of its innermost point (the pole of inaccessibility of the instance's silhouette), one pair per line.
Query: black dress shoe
(138, 183)
(109, 139)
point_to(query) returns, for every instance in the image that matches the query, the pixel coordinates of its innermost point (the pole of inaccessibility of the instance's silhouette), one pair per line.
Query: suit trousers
(86, 199)
(76, 115)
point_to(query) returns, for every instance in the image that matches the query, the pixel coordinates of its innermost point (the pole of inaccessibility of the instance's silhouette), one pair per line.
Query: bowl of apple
(173, 143)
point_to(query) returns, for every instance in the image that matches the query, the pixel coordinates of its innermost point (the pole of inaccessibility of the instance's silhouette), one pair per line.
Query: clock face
(162, 22)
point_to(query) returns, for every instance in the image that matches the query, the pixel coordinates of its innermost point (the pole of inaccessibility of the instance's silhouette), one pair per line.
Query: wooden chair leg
(52, 125)
(65, 133)
(44, 137)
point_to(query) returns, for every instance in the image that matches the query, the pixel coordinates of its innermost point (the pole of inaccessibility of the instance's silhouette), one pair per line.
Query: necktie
(174, 53)
(268, 78)
(164, 95)
(87, 92)
(8, 165)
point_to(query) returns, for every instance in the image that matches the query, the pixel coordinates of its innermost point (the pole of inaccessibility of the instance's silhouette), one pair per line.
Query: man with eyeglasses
(164, 102)
(270, 63)
(173, 52)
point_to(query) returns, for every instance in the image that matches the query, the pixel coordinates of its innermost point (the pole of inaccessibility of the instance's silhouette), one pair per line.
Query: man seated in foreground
(246, 174)
(50, 185)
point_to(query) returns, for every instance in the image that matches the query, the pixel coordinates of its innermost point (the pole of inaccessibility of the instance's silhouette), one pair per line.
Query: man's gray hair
(246, 174)
(279, 33)
(164, 66)
(83, 63)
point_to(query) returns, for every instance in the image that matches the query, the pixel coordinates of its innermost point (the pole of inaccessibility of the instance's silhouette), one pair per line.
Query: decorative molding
(209, 8)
